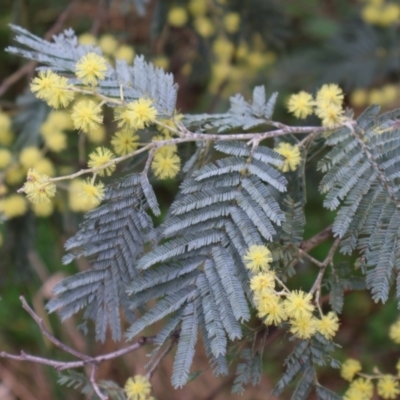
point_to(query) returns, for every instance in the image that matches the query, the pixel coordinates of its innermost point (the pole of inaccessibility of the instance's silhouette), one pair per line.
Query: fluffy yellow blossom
(91, 68)
(223, 48)
(78, 201)
(269, 307)
(29, 156)
(328, 325)
(388, 387)
(197, 7)
(231, 22)
(125, 52)
(330, 94)
(86, 115)
(330, 114)
(359, 98)
(137, 114)
(5, 121)
(262, 281)
(125, 142)
(60, 96)
(38, 189)
(394, 332)
(303, 327)
(15, 174)
(166, 163)
(5, 158)
(45, 167)
(59, 120)
(258, 258)
(13, 206)
(375, 96)
(43, 210)
(349, 369)
(371, 14)
(257, 59)
(3, 190)
(161, 62)
(56, 142)
(6, 137)
(204, 26)
(108, 44)
(390, 14)
(92, 192)
(53, 89)
(359, 389)
(97, 135)
(301, 104)
(292, 156)
(87, 39)
(177, 17)
(137, 388)
(42, 84)
(298, 304)
(99, 158)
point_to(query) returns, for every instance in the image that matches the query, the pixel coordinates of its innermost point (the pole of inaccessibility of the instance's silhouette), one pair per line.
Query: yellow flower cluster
(138, 388)
(166, 163)
(387, 386)
(53, 89)
(110, 46)
(137, 114)
(383, 96)
(38, 188)
(380, 12)
(85, 195)
(52, 130)
(100, 158)
(293, 307)
(291, 154)
(327, 105)
(13, 206)
(394, 332)
(91, 68)
(6, 135)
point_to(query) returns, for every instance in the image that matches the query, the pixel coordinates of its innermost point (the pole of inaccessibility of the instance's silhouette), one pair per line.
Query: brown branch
(28, 69)
(63, 365)
(94, 384)
(162, 356)
(308, 245)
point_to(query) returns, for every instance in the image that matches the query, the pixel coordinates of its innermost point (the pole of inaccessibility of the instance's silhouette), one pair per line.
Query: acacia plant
(227, 250)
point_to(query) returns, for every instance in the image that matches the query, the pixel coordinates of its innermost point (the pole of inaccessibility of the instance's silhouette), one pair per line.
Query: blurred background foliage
(214, 48)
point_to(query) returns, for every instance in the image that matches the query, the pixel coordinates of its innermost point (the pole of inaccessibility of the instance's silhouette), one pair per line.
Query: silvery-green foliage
(361, 181)
(241, 114)
(193, 264)
(112, 237)
(141, 79)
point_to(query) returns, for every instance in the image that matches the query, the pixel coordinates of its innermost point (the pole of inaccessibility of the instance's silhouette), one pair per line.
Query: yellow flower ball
(108, 44)
(349, 369)
(5, 158)
(13, 206)
(29, 156)
(204, 27)
(177, 17)
(43, 210)
(87, 39)
(125, 52)
(231, 22)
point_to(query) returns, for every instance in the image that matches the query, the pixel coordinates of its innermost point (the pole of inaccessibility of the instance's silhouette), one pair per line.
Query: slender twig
(316, 240)
(162, 356)
(94, 384)
(50, 336)
(63, 365)
(316, 288)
